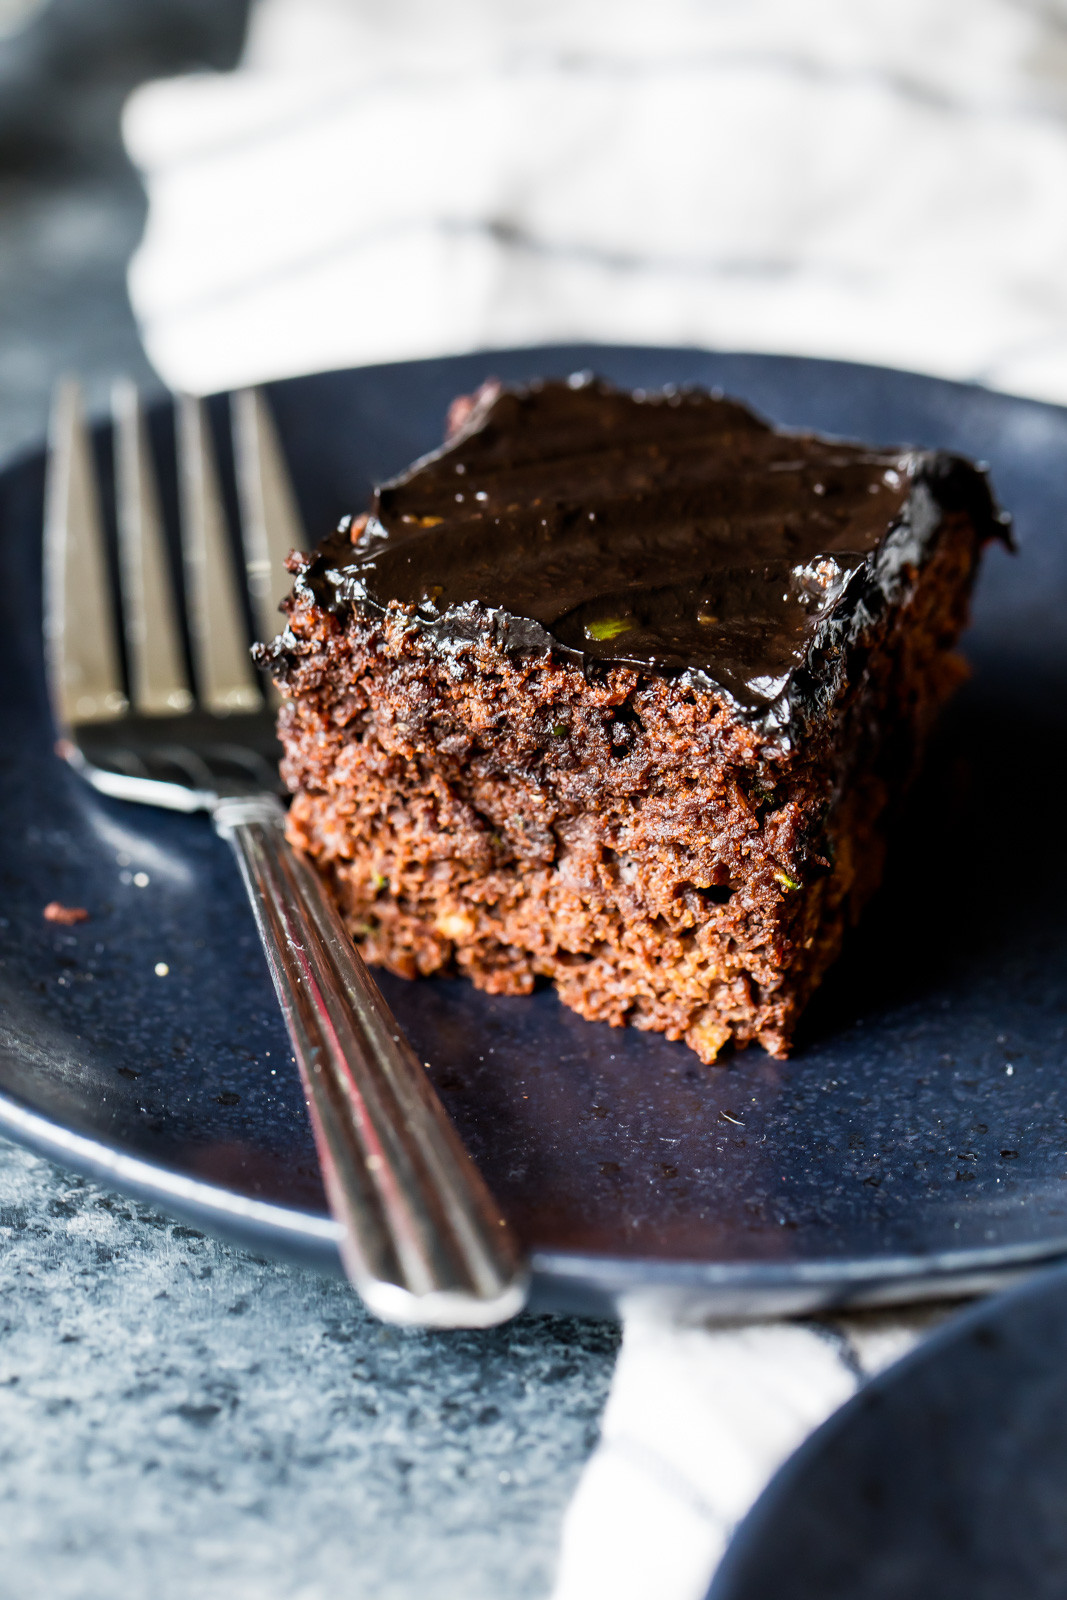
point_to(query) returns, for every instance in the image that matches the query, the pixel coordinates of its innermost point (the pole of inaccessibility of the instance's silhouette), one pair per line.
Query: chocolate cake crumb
(67, 916)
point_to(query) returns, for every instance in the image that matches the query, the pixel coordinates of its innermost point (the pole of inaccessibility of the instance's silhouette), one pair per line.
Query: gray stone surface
(71, 207)
(180, 1419)
(177, 1418)
(63, 306)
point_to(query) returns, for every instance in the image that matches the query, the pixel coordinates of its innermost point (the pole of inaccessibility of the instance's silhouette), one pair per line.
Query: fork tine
(159, 685)
(224, 674)
(84, 670)
(270, 521)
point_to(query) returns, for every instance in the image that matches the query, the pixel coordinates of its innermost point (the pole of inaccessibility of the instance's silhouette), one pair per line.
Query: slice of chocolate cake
(616, 690)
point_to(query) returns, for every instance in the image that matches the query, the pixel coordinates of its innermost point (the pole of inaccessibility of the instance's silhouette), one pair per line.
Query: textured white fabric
(875, 179)
(881, 180)
(698, 1420)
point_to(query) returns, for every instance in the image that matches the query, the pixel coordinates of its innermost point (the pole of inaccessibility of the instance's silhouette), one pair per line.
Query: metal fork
(422, 1238)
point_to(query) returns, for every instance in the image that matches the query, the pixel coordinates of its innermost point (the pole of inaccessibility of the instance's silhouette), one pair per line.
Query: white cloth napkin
(698, 1420)
(881, 180)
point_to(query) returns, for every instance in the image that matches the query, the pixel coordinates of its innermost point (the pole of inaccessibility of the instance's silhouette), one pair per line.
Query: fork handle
(422, 1238)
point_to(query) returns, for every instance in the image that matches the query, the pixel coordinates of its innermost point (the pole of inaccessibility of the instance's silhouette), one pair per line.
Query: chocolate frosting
(675, 532)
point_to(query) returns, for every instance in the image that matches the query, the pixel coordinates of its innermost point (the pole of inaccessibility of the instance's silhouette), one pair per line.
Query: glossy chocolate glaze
(673, 532)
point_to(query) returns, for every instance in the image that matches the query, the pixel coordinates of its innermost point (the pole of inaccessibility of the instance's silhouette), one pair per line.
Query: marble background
(177, 1418)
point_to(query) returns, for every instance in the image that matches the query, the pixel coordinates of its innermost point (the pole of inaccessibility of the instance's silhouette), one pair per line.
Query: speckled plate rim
(561, 1281)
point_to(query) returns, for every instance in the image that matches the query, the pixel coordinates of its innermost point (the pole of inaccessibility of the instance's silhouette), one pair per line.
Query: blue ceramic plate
(915, 1140)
